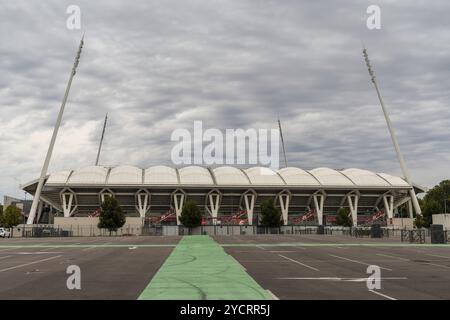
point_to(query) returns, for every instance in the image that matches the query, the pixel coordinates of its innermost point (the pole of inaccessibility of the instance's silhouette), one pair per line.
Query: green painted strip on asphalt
(200, 269)
(335, 245)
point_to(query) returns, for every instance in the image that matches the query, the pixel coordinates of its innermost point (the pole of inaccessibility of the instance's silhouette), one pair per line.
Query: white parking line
(438, 256)
(394, 257)
(29, 263)
(298, 262)
(438, 265)
(96, 246)
(35, 252)
(5, 257)
(342, 279)
(383, 295)
(273, 296)
(356, 261)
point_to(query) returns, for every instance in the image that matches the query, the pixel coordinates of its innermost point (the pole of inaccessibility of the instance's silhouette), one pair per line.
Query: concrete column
(319, 199)
(249, 200)
(353, 204)
(213, 202)
(178, 200)
(284, 205)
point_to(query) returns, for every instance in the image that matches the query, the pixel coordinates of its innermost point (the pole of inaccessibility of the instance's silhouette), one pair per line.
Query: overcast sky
(155, 66)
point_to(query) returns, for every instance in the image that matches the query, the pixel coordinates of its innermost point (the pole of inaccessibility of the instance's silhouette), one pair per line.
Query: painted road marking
(342, 279)
(356, 261)
(5, 257)
(29, 263)
(109, 245)
(383, 295)
(438, 256)
(95, 246)
(300, 263)
(394, 257)
(274, 297)
(36, 252)
(437, 265)
(199, 268)
(302, 244)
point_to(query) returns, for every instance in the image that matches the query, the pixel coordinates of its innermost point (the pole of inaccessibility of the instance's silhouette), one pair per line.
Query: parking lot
(318, 267)
(288, 266)
(111, 268)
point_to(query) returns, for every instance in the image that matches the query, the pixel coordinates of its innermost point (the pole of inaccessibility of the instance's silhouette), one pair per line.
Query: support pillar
(284, 199)
(213, 205)
(319, 200)
(178, 201)
(389, 207)
(353, 204)
(249, 199)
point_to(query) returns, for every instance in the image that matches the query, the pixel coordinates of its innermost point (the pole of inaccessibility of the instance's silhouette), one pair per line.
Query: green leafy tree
(1, 215)
(343, 219)
(437, 200)
(190, 215)
(111, 215)
(419, 221)
(270, 215)
(11, 217)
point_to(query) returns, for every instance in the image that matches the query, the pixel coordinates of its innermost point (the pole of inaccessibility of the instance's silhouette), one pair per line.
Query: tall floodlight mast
(101, 140)
(393, 136)
(282, 144)
(37, 195)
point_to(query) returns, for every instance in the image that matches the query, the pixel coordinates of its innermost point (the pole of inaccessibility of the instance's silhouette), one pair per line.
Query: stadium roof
(223, 177)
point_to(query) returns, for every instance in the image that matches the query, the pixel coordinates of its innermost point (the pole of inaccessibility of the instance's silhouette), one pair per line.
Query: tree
(11, 217)
(270, 215)
(190, 215)
(419, 222)
(111, 215)
(437, 200)
(1, 215)
(343, 219)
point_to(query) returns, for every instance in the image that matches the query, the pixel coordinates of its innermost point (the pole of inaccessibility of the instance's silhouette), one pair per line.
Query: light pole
(40, 185)
(391, 129)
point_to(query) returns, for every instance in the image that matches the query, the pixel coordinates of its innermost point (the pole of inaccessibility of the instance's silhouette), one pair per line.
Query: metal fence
(416, 235)
(413, 236)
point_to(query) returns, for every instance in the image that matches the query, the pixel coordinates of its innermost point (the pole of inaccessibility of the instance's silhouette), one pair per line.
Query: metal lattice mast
(101, 140)
(37, 194)
(400, 157)
(282, 144)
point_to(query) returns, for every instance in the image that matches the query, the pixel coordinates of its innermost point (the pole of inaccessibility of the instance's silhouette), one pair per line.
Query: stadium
(226, 195)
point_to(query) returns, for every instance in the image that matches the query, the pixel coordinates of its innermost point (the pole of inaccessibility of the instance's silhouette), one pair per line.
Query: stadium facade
(225, 192)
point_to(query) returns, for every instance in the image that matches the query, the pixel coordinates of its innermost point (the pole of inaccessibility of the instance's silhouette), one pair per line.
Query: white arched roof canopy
(59, 177)
(263, 176)
(365, 178)
(297, 176)
(89, 175)
(195, 175)
(230, 176)
(125, 175)
(160, 175)
(394, 180)
(331, 177)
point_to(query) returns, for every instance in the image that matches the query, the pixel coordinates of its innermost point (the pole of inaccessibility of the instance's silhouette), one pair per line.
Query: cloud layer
(155, 66)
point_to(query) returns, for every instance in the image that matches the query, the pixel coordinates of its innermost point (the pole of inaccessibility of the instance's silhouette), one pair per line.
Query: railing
(413, 236)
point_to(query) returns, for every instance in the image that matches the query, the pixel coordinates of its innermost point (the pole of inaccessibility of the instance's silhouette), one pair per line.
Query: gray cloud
(155, 66)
